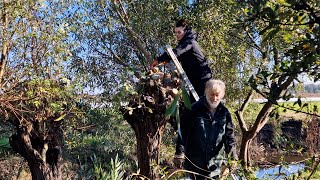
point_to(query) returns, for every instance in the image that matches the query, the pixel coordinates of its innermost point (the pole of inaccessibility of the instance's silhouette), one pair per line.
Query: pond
(280, 171)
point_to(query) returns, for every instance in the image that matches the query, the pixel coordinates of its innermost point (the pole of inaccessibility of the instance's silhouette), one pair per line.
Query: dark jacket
(192, 60)
(208, 137)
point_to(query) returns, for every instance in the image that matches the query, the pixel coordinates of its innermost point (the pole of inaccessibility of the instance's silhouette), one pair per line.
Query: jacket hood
(190, 35)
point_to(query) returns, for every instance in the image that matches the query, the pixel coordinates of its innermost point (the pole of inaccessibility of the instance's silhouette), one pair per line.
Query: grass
(308, 107)
(286, 110)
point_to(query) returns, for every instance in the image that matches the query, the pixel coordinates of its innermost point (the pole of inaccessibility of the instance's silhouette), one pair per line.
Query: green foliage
(102, 132)
(299, 106)
(116, 172)
(173, 106)
(113, 171)
(252, 112)
(5, 148)
(185, 98)
(222, 43)
(106, 130)
(115, 43)
(4, 143)
(288, 35)
(97, 171)
(181, 97)
(283, 38)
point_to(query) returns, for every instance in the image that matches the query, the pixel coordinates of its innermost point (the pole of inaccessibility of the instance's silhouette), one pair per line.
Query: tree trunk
(145, 113)
(4, 50)
(149, 136)
(244, 151)
(44, 171)
(44, 158)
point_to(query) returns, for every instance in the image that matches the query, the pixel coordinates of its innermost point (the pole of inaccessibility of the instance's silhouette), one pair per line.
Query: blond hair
(213, 85)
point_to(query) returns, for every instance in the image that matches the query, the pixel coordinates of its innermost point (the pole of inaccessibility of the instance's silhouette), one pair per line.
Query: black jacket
(208, 137)
(192, 60)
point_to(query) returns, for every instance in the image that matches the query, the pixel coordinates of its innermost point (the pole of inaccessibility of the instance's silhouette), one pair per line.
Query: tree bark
(244, 151)
(4, 49)
(249, 134)
(44, 158)
(145, 113)
(149, 135)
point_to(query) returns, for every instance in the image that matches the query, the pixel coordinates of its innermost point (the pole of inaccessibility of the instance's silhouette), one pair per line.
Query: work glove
(228, 168)
(154, 63)
(178, 160)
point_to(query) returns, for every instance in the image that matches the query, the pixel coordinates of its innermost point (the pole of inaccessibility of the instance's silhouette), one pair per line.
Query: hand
(154, 63)
(178, 161)
(224, 171)
(233, 164)
(227, 169)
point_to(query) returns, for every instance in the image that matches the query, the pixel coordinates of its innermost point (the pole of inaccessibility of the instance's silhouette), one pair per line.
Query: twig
(314, 169)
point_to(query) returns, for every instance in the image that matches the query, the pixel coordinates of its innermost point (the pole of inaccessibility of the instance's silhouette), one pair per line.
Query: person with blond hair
(208, 133)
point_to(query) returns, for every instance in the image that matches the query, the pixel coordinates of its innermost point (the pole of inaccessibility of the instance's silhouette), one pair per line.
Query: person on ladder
(193, 62)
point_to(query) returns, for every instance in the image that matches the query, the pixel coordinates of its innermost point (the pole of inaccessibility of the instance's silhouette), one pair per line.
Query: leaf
(170, 111)
(60, 118)
(271, 34)
(4, 143)
(305, 105)
(186, 99)
(299, 101)
(150, 110)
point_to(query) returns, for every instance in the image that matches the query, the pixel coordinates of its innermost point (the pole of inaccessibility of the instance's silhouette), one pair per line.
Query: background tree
(34, 96)
(285, 38)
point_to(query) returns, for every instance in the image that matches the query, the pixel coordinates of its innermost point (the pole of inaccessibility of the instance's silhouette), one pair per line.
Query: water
(279, 172)
(310, 99)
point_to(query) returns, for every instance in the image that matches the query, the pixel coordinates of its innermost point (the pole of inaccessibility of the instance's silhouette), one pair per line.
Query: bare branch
(313, 14)
(314, 169)
(126, 17)
(239, 112)
(253, 42)
(133, 34)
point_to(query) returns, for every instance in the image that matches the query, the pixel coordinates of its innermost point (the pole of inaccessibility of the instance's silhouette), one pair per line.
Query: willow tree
(119, 39)
(33, 98)
(117, 46)
(285, 38)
